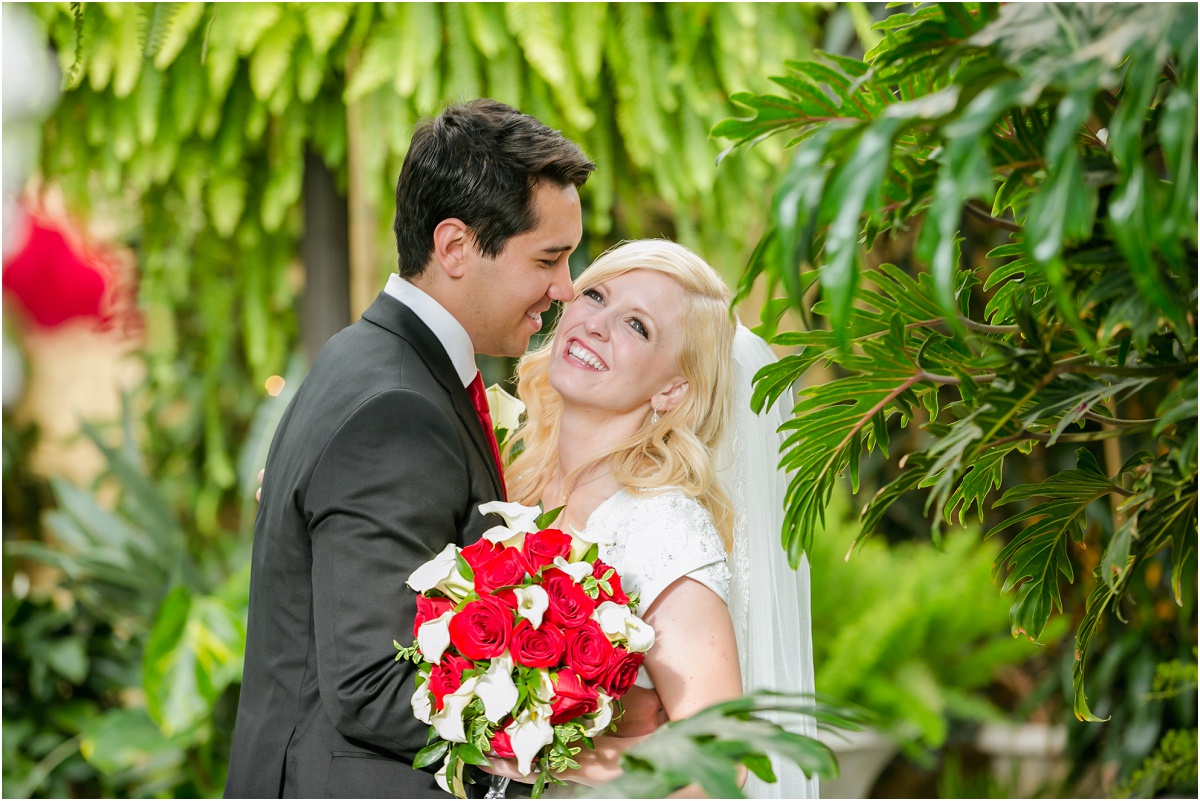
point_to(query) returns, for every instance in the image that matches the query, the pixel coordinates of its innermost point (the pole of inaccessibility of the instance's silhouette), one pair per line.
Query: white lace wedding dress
(659, 537)
(653, 539)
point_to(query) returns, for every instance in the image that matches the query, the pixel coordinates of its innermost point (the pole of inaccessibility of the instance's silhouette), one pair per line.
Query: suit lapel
(391, 314)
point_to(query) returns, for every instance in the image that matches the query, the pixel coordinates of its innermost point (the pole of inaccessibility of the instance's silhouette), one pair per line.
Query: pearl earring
(654, 419)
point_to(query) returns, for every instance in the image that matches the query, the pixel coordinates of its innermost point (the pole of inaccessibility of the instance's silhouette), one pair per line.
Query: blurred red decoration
(52, 281)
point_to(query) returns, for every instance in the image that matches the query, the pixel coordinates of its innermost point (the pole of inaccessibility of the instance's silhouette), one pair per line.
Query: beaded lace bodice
(656, 538)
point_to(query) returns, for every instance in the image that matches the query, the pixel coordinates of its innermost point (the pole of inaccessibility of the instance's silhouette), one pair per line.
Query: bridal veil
(769, 602)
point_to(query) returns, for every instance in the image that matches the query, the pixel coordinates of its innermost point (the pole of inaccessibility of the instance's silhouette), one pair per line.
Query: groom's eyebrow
(557, 248)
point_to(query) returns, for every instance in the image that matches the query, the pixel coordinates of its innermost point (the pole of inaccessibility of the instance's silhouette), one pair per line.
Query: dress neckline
(599, 506)
(622, 491)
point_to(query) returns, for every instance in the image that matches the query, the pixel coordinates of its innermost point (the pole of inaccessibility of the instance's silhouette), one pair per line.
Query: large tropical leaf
(1039, 553)
(705, 749)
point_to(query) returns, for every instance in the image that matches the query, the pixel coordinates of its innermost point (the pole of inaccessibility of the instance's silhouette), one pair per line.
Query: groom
(381, 459)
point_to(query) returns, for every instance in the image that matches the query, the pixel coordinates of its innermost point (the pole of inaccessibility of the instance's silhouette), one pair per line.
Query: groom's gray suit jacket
(378, 463)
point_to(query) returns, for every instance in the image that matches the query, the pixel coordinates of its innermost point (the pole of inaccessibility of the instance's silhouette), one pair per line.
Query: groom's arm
(385, 497)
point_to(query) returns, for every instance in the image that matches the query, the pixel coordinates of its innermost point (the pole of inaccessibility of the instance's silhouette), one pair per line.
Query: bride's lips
(579, 355)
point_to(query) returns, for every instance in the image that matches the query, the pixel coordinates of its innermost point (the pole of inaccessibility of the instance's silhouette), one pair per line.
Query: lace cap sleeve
(659, 538)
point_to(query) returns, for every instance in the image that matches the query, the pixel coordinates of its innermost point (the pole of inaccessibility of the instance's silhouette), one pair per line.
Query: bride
(638, 423)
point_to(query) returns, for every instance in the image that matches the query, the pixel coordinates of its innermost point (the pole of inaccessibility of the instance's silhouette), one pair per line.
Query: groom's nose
(560, 288)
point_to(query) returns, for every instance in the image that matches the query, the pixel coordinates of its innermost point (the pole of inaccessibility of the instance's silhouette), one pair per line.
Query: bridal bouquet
(524, 642)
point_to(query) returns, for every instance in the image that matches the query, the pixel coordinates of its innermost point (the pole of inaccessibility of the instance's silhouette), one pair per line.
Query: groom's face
(507, 294)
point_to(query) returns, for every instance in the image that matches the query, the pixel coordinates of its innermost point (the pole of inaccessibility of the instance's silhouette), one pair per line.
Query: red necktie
(479, 399)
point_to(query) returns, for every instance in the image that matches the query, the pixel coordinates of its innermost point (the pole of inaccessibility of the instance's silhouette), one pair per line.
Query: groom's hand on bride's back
(643, 713)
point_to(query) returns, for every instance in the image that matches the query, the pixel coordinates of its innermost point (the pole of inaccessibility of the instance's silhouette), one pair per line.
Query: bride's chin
(562, 385)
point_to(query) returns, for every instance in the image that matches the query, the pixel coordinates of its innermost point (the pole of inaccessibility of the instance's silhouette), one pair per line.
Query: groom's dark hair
(478, 162)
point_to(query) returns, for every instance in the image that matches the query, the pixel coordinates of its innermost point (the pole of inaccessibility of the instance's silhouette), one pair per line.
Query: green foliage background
(1030, 169)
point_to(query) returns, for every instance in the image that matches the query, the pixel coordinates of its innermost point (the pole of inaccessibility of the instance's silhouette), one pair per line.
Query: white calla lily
(544, 690)
(582, 542)
(639, 635)
(517, 516)
(422, 704)
(602, 718)
(618, 623)
(496, 688)
(578, 571)
(503, 535)
(611, 618)
(456, 585)
(440, 778)
(437, 569)
(433, 637)
(532, 603)
(529, 734)
(505, 410)
(449, 721)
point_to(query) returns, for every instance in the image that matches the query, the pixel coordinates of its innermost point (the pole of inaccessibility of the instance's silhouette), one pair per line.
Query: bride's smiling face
(617, 344)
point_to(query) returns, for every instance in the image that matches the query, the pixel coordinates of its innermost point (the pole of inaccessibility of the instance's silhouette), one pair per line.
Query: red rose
(621, 671)
(482, 628)
(540, 647)
(507, 596)
(617, 596)
(446, 677)
(588, 650)
(500, 571)
(479, 552)
(541, 548)
(430, 609)
(572, 697)
(501, 743)
(569, 604)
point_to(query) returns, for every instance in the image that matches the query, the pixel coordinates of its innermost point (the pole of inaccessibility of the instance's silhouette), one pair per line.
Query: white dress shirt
(445, 327)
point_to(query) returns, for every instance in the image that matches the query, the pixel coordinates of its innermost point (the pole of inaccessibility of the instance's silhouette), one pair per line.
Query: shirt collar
(445, 327)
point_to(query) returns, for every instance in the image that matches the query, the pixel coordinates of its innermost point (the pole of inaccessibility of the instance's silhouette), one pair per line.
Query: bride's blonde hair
(679, 449)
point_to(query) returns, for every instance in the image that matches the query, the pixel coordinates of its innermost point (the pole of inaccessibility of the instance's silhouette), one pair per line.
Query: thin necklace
(564, 495)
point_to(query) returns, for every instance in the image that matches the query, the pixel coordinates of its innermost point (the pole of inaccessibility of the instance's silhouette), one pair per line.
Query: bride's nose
(596, 325)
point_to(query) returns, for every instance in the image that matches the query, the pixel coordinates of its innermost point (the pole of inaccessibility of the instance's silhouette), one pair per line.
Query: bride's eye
(639, 326)
(593, 295)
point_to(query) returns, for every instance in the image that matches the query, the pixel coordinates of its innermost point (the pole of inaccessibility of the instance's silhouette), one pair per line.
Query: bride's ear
(668, 399)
